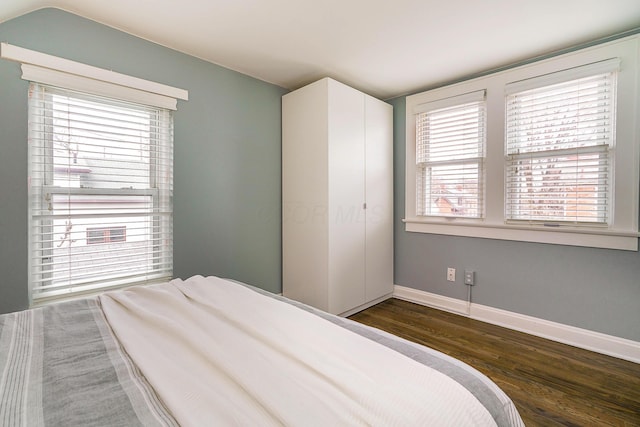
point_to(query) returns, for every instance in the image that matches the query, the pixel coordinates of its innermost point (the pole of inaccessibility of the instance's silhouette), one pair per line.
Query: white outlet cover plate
(451, 274)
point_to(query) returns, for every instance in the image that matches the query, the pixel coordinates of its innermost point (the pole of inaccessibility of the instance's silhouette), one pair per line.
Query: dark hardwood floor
(552, 384)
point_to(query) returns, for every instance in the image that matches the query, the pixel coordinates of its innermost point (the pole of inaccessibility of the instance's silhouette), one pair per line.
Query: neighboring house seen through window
(106, 235)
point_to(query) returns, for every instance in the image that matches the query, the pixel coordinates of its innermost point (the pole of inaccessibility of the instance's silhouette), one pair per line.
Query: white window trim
(623, 230)
(51, 70)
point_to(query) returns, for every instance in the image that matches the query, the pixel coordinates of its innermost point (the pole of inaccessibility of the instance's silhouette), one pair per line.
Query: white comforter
(218, 353)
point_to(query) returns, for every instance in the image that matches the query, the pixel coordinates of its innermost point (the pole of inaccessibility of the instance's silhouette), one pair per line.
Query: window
(101, 183)
(450, 140)
(559, 163)
(559, 139)
(100, 176)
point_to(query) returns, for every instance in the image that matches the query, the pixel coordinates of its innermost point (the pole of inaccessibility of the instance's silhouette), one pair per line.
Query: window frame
(44, 189)
(519, 150)
(622, 232)
(41, 68)
(478, 100)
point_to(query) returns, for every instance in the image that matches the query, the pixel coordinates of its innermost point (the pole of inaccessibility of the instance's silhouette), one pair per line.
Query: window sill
(65, 295)
(570, 236)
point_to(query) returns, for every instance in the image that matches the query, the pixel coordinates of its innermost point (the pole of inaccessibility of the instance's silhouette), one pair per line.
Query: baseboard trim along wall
(577, 337)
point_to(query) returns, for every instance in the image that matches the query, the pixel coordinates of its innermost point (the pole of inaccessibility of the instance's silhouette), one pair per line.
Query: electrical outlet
(451, 274)
(469, 277)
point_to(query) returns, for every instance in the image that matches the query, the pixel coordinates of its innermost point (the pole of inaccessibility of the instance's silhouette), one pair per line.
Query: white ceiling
(383, 47)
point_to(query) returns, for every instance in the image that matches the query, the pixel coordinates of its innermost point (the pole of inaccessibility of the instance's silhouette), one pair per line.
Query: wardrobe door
(305, 265)
(379, 198)
(346, 198)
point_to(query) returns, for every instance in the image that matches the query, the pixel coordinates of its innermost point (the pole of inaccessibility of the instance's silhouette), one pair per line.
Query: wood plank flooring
(552, 384)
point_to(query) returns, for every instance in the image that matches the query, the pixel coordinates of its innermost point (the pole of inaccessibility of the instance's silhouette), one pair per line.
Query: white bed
(209, 351)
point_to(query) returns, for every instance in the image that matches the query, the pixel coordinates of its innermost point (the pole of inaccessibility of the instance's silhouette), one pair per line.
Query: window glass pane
(98, 145)
(559, 188)
(101, 175)
(566, 115)
(558, 140)
(453, 190)
(451, 134)
(117, 234)
(450, 149)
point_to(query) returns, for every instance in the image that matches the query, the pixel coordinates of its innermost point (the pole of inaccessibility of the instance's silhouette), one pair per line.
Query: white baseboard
(595, 341)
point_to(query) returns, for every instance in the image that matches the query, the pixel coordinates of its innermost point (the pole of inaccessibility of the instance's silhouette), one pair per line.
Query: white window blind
(559, 142)
(450, 146)
(101, 177)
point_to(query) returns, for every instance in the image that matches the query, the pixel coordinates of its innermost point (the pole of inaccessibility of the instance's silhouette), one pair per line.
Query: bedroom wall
(594, 289)
(227, 193)
(227, 152)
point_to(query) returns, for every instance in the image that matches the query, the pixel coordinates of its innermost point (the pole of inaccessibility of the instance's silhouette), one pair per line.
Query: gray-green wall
(227, 153)
(594, 289)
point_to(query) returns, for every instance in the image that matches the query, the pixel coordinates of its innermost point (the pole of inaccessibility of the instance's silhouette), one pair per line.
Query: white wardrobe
(337, 190)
